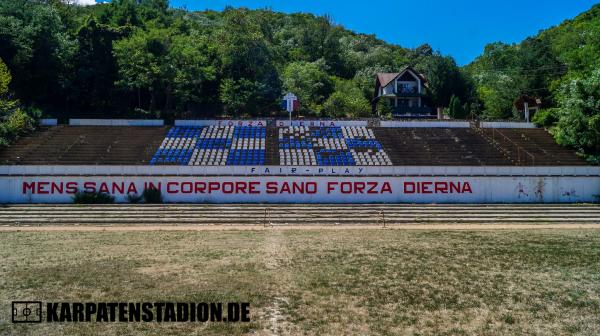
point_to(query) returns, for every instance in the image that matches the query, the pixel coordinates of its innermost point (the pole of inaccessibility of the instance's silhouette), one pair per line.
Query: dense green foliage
(579, 115)
(560, 66)
(142, 58)
(456, 110)
(14, 120)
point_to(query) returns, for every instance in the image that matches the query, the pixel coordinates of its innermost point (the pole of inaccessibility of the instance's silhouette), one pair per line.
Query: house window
(404, 87)
(389, 89)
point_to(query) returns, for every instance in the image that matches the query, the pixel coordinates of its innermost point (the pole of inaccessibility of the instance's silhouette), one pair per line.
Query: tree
(194, 61)
(419, 56)
(5, 79)
(246, 64)
(171, 70)
(445, 79)
(346, 101)
(122, 13)
(308, 81)
(237, 95)
(142, 64)
(384, 108)
(93, 87)
(579, 116)
(14, 121)
(125, 55)
(505, 72)
(455, 109)
(34, 45)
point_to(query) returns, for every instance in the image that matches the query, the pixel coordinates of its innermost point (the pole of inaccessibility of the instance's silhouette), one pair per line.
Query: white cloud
(81, 2)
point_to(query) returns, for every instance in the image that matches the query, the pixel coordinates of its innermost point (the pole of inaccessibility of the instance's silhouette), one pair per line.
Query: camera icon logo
(27, 312)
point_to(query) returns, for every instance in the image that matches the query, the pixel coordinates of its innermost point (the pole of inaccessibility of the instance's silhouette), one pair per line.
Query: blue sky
(459, 28)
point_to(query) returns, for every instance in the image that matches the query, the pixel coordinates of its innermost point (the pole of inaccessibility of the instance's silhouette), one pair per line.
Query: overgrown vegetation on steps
(82, 197)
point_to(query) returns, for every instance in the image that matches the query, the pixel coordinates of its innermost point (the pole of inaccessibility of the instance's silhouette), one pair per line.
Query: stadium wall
(334, 185)
(116, 122)
(506, 124)
(321, 123)
(198, 123)
(48, 122)
(427, 124)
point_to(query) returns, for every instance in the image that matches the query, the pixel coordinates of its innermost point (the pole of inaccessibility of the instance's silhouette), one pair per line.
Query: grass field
(338, 282)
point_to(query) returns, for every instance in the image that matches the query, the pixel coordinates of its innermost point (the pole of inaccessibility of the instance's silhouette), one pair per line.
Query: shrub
(545, 118)
(92, 198)
(134, 198)
(384, 108)
(19, 122)
(455, 109)
(152, 196)
(347, 105)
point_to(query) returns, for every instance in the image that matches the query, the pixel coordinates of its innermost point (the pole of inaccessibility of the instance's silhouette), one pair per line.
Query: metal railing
(502, 142)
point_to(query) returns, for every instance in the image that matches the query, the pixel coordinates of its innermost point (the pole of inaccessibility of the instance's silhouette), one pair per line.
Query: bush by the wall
(152, 196)
(134, 198)
(545, 118)
(92, 198)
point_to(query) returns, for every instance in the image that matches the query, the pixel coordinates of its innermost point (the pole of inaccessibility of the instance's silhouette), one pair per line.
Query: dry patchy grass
(344, 282)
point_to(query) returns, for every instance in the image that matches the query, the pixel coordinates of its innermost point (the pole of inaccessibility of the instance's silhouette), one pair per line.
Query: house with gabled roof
(405, 91)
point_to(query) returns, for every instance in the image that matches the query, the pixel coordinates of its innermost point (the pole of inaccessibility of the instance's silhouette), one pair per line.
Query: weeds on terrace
(92, 198)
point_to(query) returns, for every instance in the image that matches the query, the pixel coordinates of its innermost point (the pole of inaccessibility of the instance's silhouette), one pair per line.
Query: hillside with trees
(560, 65)
(141, 58)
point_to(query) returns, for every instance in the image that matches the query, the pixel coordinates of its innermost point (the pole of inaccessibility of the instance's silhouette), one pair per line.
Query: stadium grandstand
(270, 144)
(277, 161)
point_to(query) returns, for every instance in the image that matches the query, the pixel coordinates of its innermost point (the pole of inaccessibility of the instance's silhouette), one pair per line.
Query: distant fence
(428, 124)
(506, 124)
(197, 123)
(48, 122)
(116, 122)
(286, 123)
(321, 123)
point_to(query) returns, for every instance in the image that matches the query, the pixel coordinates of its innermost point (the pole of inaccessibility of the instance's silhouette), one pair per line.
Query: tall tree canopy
(578, 123)
(135, 57)
(558, 66)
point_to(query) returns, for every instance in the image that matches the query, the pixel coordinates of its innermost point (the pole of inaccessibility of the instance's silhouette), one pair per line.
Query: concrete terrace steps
(86, 145)
(109, 145)
(293, 214)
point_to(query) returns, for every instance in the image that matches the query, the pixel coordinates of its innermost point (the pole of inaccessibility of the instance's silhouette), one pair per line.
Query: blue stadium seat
(212, 145)
(329, 146)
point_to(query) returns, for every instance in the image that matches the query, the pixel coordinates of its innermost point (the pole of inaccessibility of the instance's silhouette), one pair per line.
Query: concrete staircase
(295, 214)
(86, 145)
(438, 147)
(272, 146)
